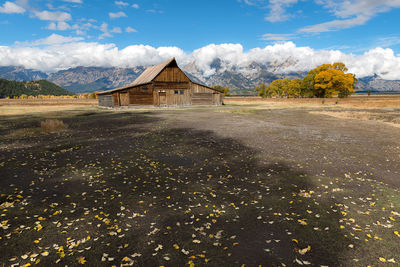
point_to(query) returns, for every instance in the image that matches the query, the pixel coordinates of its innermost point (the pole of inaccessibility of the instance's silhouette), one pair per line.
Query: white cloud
(61, 26)
(121, 3)
(116, 30)
(60, 52)
(74, 1)
(130, 29)
(278, 10)
(52, 16)
(336, 25)
(117, 15)
(277, 37)
(350, 13)
(135, 6)
(10, 8)
(104, 29)
(53, 39)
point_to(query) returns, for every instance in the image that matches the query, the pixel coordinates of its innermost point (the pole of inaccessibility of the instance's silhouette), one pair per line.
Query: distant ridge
(31, 88)
(240, 80)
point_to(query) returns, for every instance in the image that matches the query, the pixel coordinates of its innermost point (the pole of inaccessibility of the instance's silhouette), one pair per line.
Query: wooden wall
(106, 101)
(172, 99)
(172, 74)
(116, 99)
(171, 79)
(202, 95)
(141, 95)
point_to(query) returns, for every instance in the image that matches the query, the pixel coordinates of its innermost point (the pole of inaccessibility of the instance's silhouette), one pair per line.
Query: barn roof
(152, 72)
(148, 76)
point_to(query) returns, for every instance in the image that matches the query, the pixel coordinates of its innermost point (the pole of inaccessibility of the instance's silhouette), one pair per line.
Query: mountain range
(240, 79)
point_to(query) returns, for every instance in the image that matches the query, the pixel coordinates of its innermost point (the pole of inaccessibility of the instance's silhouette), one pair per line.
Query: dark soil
(203, 186)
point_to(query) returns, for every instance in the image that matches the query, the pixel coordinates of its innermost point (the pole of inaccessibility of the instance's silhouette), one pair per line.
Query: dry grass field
(381, 108)
(255, 182)
(358, 101)
(48, 102)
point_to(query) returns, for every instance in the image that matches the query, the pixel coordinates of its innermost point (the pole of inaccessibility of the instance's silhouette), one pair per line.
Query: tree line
(80, 96)
(327, 80)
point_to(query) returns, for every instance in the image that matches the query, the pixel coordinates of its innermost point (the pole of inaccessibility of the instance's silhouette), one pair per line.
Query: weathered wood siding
(201, 95)
(124, 98)
(106, 101)
(141, 95)
(177, 91)
(116, 99)
(172, 74)
(174, 97)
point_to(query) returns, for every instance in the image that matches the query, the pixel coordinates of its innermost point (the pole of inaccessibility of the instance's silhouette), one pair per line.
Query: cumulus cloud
(52, 16)
(10, 8)
(117, 15)
(67, 55)
(135, 6)
(59, 52)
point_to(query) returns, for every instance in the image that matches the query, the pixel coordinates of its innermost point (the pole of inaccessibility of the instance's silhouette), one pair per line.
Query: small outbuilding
(161, 85)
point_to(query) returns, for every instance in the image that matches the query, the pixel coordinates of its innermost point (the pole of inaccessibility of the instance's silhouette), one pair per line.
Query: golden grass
(7, 110)
(53, 126)
(49, 101)
(364, 102)
(392, 118)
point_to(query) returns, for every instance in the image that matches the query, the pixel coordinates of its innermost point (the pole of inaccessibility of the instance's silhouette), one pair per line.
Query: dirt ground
(231, 185)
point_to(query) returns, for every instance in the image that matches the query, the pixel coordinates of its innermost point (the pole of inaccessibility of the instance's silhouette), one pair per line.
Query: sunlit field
(270, 182)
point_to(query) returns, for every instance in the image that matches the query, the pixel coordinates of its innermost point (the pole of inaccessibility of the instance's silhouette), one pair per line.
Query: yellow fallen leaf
(382, 259)
(81, 260)
(304, 250)
(44, 253)
(126, 259)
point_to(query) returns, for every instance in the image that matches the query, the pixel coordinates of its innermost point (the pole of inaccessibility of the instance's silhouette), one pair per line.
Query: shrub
(53, 126)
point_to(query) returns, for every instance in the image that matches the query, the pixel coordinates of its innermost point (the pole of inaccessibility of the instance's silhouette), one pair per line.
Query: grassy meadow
(256, 182)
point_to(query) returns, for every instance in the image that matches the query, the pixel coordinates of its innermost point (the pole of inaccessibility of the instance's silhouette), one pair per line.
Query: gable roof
(147, 76)
(152, 72)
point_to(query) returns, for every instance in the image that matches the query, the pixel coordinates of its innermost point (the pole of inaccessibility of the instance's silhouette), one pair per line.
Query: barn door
(124, 99)
(162, 99)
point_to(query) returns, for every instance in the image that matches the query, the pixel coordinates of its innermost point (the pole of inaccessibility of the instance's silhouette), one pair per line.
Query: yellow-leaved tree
(328, 80)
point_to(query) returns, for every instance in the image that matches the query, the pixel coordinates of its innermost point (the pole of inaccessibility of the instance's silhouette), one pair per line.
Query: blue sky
(352, 27)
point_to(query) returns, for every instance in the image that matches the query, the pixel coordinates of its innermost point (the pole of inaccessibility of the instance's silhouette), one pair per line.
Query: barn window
(182, 92)
(176, 92)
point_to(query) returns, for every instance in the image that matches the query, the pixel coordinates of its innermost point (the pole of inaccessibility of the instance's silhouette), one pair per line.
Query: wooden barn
(161, 85)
